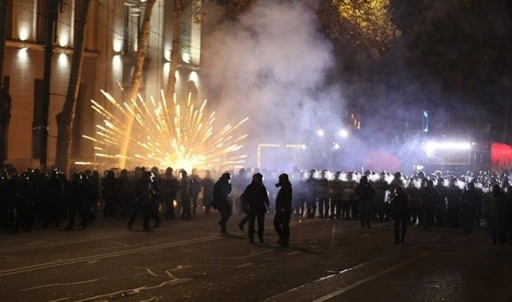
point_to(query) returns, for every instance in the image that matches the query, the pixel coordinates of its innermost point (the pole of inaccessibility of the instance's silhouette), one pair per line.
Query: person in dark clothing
(255, 197)
(109, 194)
(220, 201)
(154, 210)
(381, 188)
(195, 189)
(283, 210)
(125, 192)
(169, 186)
(239, 183)
(471, 201)
(508, 213)
(366, 193)
(25, 205)
(496, 214)
(142, 200)
(453, 201)
(442, 190)
(207, 185)
(4, 212)
(185, 195)
(431, 200)
(245, 212)
(54, 193)
(77, 201)
(400, 206)
(310, 190)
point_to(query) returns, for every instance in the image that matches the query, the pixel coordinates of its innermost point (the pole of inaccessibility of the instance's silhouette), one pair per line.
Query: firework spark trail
(167, 133)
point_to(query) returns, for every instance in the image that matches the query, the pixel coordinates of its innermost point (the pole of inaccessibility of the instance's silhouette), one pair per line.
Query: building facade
(109, 58)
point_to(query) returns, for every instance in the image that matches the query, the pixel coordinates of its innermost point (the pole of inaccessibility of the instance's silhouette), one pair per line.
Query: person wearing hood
(220, 201)
(283, 209)
(255, 197)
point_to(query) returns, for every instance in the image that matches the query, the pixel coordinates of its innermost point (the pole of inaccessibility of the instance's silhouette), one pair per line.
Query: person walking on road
(256, 198)
(220, 201)
(283, 210)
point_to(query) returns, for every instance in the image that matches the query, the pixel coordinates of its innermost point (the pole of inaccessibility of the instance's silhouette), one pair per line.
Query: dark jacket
(400, 204)
(255, 197)
(365, 191)
(221, 190)
(284, 199)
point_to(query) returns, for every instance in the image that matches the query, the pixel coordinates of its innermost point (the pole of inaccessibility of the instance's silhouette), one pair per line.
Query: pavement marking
(293, 253)
(59, 284)
(246, 256)
(367, 279)
(35, 242)
(117, 243)
(132, 291)
(54, 264)
(244, 265)
(150, 272)
(61, 299)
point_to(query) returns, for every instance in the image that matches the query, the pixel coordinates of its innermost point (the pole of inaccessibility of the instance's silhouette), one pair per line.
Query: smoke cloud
(270, 66)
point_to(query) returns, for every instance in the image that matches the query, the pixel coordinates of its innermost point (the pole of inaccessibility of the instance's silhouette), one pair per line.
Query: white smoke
(270, 65)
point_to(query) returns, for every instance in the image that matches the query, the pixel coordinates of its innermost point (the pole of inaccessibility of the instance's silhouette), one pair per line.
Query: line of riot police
(33, 198)
(463, 202)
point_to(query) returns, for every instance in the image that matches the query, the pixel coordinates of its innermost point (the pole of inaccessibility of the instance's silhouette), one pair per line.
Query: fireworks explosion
(166, 135)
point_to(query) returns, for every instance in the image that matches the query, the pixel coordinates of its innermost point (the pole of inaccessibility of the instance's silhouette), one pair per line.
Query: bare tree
(136, 78)
(66, 117)
(176, 44)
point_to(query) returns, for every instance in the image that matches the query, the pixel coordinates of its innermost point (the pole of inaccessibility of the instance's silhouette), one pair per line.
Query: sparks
(178, 134)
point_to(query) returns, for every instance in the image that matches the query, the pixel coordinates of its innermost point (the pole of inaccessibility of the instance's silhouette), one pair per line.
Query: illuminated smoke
(167, 134)
(274, 59)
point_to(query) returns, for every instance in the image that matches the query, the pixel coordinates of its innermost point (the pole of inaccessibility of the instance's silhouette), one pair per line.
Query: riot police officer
(169, 187)
(142, 200)
(335, 190)
(322, 192)
(471, 202)
(431, 200)
(195, 189)
(366, 193)
(77, 201)
(310, 190)
(207, 185)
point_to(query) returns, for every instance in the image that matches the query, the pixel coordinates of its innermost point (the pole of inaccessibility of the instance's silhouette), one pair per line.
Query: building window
(132, 21)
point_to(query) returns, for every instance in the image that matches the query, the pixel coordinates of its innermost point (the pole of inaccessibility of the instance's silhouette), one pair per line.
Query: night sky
(453, 58)
(279, 64)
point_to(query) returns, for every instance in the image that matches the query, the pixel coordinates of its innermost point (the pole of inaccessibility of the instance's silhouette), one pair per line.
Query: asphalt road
(190, 261)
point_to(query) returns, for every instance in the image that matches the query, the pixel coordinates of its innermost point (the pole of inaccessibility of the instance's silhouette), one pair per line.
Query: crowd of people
(36, 199)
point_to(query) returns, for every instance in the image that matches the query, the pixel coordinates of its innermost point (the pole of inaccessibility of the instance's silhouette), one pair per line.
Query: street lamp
(343, 133)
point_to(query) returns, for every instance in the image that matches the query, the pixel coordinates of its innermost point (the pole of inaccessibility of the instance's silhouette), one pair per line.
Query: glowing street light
(320, 133)
(343, 133)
